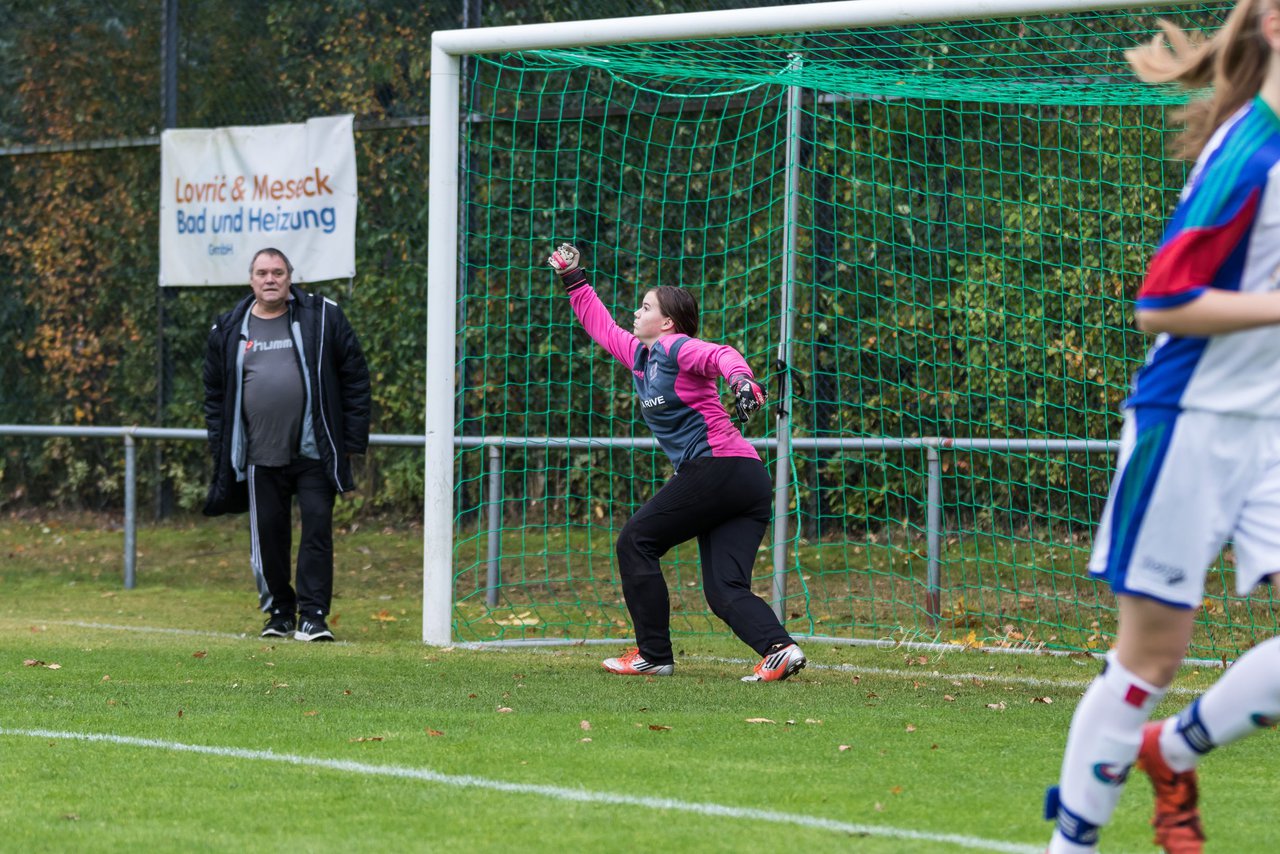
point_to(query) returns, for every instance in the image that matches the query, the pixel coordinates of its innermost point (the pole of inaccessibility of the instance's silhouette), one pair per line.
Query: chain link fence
(86, 335)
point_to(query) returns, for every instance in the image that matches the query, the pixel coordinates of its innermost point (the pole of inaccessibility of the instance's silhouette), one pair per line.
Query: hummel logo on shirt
(260, 346)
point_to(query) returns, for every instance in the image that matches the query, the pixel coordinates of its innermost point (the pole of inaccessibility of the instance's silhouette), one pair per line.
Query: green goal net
(938, 227)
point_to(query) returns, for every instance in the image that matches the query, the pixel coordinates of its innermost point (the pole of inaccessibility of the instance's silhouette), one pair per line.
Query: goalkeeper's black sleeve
(573, 280)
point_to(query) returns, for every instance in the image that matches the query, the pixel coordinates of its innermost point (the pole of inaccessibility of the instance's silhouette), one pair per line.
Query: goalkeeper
(720, 492)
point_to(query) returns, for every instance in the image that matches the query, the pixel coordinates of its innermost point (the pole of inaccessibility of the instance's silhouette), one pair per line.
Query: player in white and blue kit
(1200, 449)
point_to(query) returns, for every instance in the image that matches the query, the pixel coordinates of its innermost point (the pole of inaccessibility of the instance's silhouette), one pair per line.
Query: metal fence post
(495, 525)
(130, 511)
(933, 528)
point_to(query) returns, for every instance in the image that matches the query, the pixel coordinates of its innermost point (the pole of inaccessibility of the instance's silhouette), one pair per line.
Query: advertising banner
(225, 193)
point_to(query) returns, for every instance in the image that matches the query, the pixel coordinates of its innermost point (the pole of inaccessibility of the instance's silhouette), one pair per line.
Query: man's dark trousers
(271, 490)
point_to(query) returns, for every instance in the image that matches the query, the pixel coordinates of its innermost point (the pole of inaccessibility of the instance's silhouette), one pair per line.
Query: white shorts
(1188, 483)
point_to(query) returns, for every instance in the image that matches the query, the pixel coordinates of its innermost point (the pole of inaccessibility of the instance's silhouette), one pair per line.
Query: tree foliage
(961, 266)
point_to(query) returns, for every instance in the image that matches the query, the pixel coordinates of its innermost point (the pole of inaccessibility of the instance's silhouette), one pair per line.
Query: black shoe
(313, 629)
(279, 625)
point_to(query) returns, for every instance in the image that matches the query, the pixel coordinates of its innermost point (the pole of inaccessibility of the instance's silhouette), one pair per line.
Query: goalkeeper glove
(565, 262)
(748, 396)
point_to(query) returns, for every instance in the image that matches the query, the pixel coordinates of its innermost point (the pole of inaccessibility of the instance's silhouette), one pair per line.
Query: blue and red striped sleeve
(1189, 259)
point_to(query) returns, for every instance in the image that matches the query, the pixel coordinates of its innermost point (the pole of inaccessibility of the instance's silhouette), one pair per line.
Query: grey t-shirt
(274, 398)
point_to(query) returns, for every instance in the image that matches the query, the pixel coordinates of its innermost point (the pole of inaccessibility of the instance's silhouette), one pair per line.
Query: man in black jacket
(286, 402)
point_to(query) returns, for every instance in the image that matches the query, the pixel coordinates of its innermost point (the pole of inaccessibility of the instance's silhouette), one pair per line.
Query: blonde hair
(1234, 61)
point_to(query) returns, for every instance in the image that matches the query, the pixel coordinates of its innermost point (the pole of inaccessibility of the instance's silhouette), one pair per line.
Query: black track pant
(271, 490)
(726, 502)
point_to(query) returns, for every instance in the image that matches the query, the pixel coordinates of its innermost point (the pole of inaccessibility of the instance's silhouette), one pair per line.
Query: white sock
(1060, 845)
(1106, 731)
(1245, 699)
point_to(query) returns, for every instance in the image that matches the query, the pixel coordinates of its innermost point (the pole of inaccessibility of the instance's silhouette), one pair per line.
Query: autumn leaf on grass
(659, 727)
(433, 732)
(524, 618)
(35, 662)
(200, 653)
(911, 727)
(584, 725)
(759, 721)
(309, 714)
(505, 709)
(842, 748)
(999, 707)
(1045, 700)
(383, 616)
(365, 738)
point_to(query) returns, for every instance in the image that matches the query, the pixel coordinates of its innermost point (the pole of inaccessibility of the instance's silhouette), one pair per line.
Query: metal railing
(932, 446)
(492, 499)
(130, 435)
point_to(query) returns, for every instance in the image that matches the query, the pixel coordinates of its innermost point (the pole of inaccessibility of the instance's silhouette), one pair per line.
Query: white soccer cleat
(632, 663)
(778, 665)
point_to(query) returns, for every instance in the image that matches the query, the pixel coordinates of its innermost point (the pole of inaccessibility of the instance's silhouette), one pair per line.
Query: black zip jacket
(337, 394)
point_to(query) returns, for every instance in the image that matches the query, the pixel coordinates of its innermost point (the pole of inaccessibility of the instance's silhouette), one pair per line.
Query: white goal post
(448, 48)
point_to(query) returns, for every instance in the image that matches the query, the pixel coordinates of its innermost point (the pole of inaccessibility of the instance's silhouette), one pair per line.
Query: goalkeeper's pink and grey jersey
(675, 379)
(1224, 233)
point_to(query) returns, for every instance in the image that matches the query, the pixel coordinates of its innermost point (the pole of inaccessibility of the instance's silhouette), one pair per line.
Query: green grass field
(167, 724)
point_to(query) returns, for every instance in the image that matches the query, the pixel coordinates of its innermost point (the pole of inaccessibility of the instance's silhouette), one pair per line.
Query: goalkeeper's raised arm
(664, 311)
(720, 494)
(591, 313)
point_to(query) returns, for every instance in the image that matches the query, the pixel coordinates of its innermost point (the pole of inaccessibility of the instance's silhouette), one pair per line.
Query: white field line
(560, 793)
(992, 677)
(157, 630)
(989, 678)
(153, 630)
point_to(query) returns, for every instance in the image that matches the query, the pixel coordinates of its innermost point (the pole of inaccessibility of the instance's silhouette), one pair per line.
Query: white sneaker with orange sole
(632, 663)
(778, 665)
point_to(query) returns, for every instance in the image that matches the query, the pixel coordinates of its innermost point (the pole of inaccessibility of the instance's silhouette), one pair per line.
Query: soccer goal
(921, 221)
